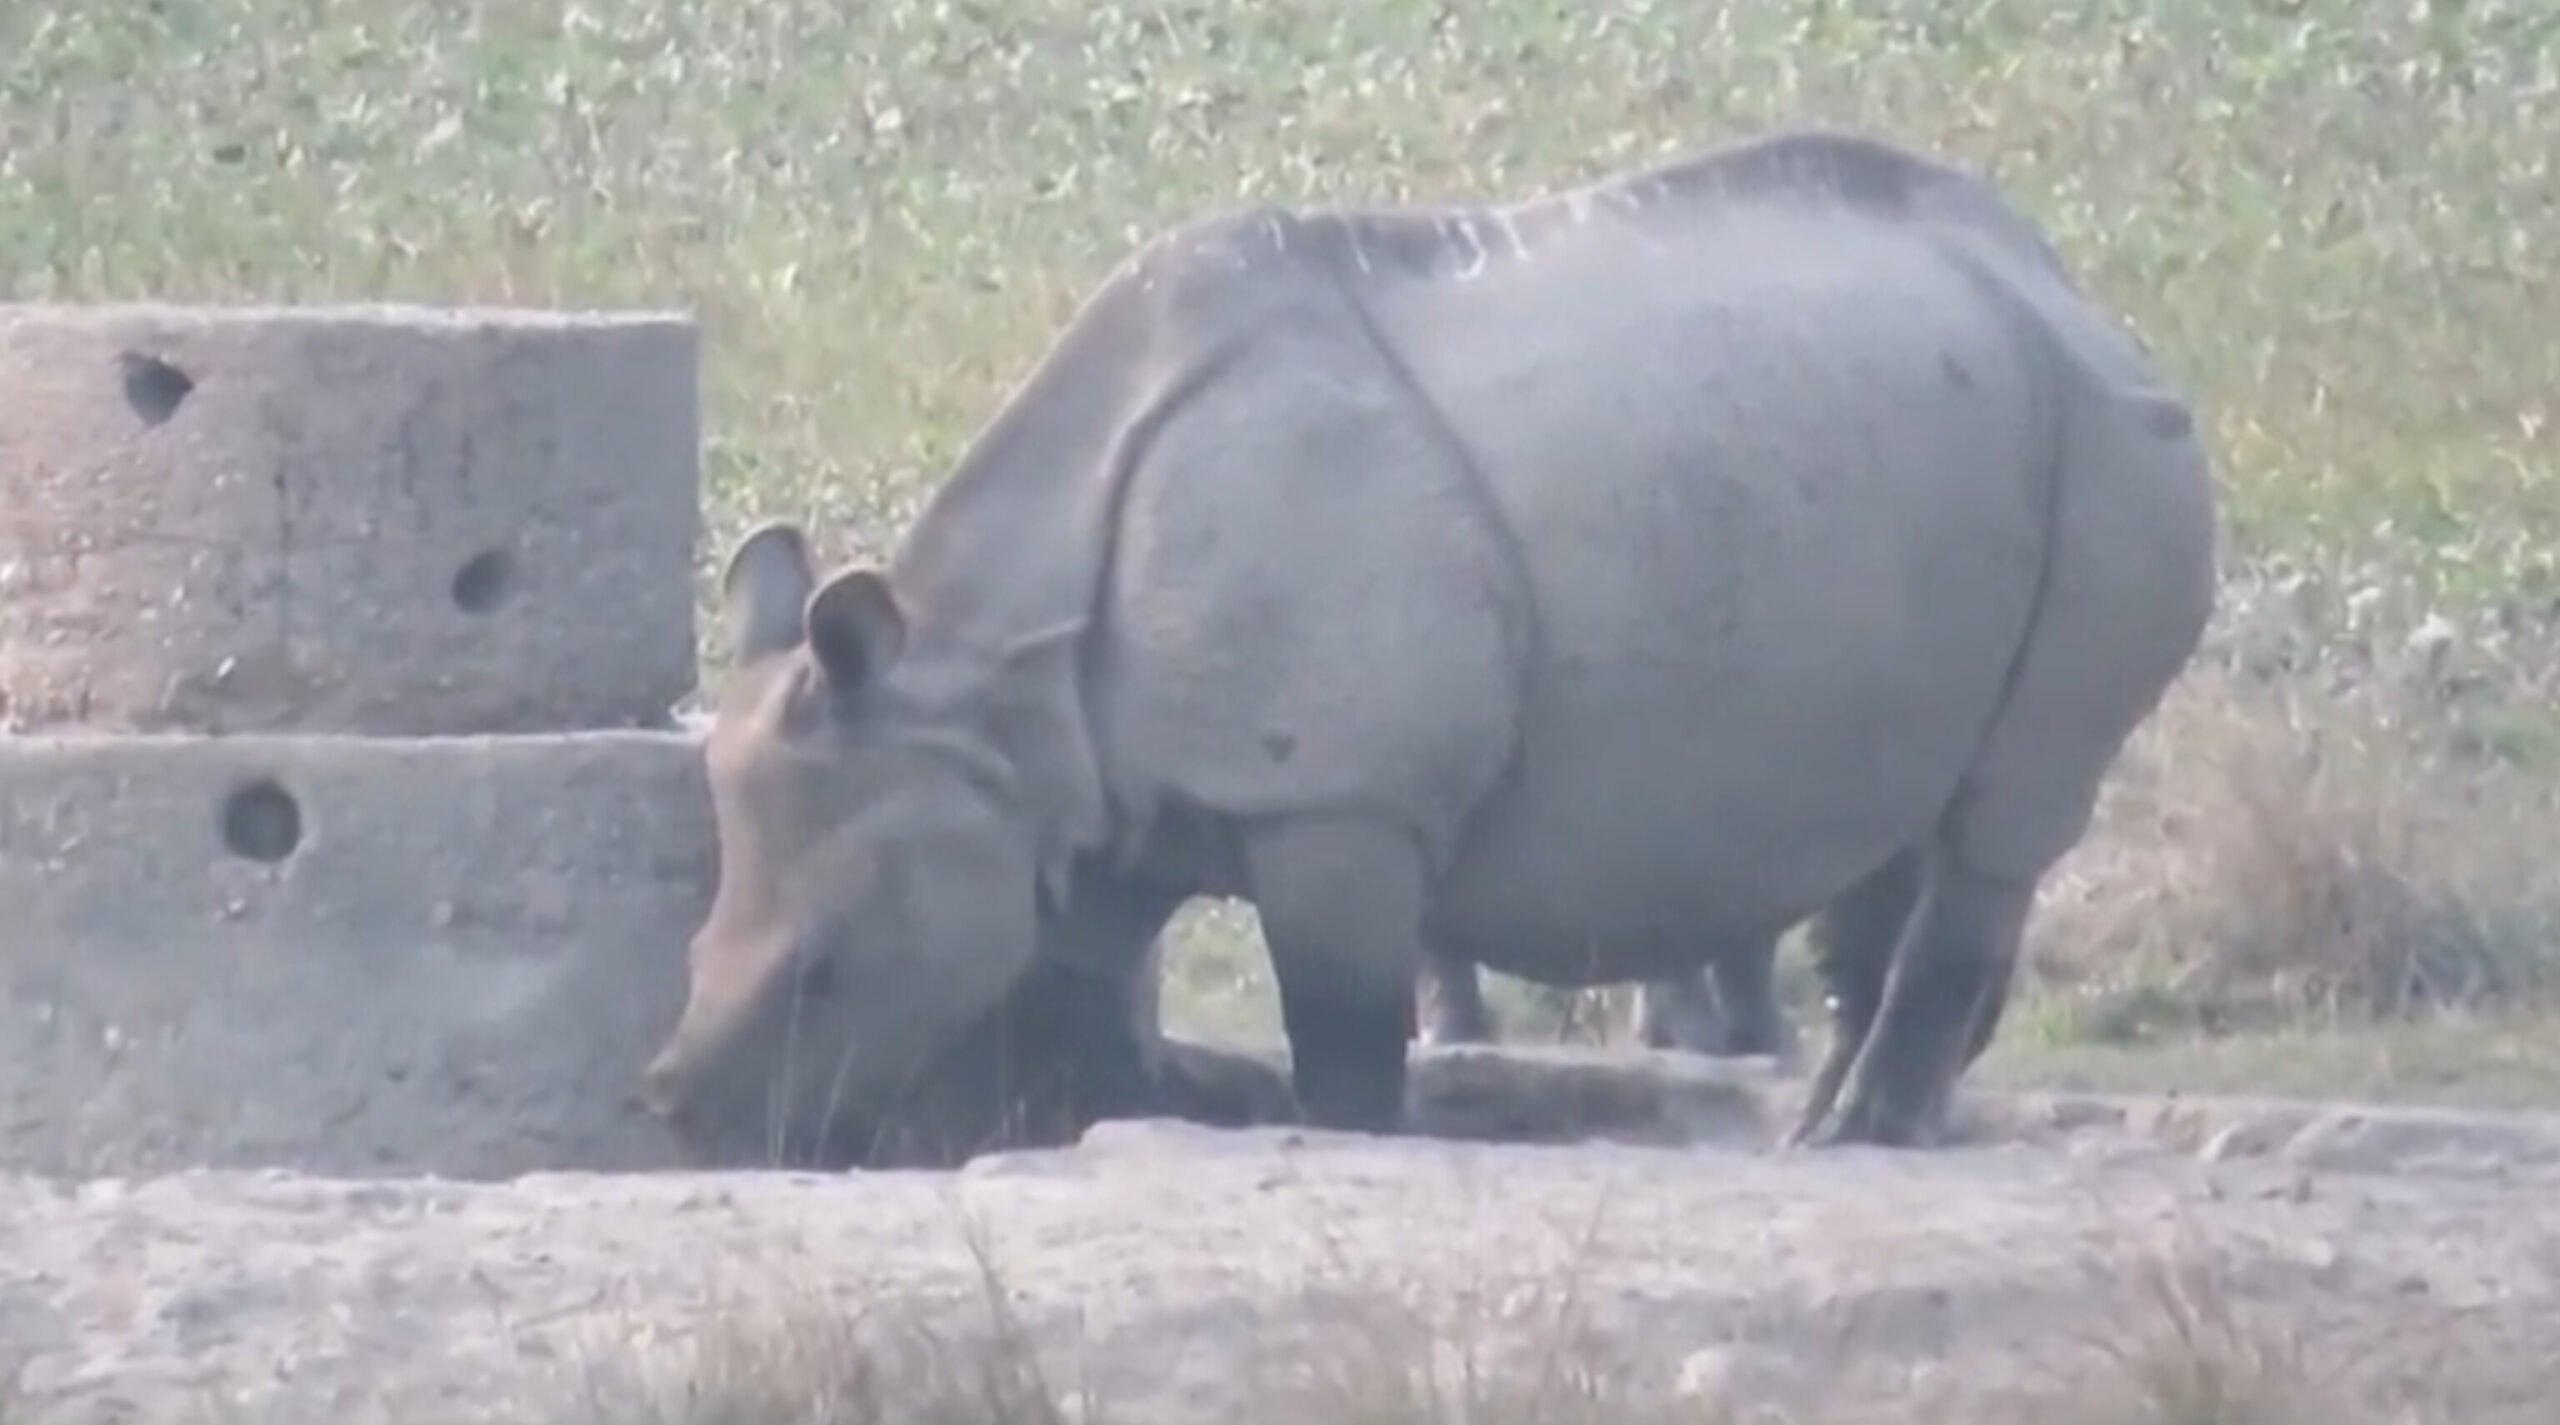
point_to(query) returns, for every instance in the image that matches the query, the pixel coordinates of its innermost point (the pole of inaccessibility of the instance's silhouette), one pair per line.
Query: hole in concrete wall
(261, 821)
(153, 387)
(484, 581)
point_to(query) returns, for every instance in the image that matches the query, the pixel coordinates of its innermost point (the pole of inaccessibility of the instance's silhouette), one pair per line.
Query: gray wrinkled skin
(1568, 588)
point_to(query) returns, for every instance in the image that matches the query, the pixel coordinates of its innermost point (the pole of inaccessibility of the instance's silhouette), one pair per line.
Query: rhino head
(877, 889)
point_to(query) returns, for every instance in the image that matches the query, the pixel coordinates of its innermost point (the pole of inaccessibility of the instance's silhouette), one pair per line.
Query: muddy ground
(1179, 1273)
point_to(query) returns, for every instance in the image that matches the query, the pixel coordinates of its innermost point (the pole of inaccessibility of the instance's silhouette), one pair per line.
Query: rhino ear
(764, 587)
(855, 627)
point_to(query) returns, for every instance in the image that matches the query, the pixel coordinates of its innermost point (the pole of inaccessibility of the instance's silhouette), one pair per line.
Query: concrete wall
(345, 519)
(314, 853)
(342, 954)
(412, 909)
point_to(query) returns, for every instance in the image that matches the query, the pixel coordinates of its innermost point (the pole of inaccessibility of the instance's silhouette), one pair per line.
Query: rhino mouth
(771, 1114)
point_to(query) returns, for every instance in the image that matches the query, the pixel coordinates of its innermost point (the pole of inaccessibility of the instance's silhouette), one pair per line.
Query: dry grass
(783, 1356)
(2193, 1357)
(781, 1359)
(2335, 820)
(2169, 1339)
(2264, 858)
(2178, 1349)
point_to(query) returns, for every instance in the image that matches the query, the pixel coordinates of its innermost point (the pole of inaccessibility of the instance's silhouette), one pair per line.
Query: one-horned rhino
(1568, 587)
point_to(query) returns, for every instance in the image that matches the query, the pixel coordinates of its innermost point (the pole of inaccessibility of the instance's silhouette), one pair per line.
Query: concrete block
(379, 956)
(388, 520)
(341, 954)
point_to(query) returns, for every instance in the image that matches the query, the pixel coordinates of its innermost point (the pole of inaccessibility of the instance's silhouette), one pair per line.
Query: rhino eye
(818, 977)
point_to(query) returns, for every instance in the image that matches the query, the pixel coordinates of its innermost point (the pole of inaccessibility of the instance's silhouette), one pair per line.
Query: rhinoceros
(1566, 587)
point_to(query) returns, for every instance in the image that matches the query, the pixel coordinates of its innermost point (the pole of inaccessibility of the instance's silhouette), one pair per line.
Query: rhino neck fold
(1001, 572)
(1024, 712)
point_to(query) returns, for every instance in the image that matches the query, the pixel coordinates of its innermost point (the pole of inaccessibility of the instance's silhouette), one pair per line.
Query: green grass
(2338, 224)
(2334, 222)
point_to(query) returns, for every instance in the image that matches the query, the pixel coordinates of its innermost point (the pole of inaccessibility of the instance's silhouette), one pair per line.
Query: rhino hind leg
(1341, 904)
(1682, 1013)
(1449, 1003)
(1853, 942)
(1728, 1010)
(2129, 588)
(1962, 942)
(1734, 1014)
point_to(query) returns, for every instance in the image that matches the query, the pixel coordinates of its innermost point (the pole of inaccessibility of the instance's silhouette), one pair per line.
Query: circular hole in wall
(152, 387)
(261, 821)
(484, 581)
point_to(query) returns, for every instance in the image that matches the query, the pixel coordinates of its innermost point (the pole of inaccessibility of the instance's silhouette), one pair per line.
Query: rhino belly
(1722, 765)
(1611, 855)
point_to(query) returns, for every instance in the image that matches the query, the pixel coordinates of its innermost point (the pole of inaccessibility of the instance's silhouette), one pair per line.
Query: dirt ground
(1173, 1269)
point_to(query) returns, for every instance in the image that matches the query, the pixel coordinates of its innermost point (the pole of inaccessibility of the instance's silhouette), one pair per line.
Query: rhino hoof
(1862, 1123)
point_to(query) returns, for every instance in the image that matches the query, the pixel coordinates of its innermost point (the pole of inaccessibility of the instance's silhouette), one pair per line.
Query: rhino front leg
(1450, 1002)
(1727, 1010)
(1341, 906)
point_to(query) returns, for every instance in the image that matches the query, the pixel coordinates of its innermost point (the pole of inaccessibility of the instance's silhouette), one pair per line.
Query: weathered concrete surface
(463, 954)
(1184, 1274)
(376, 519)
(363, 955)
